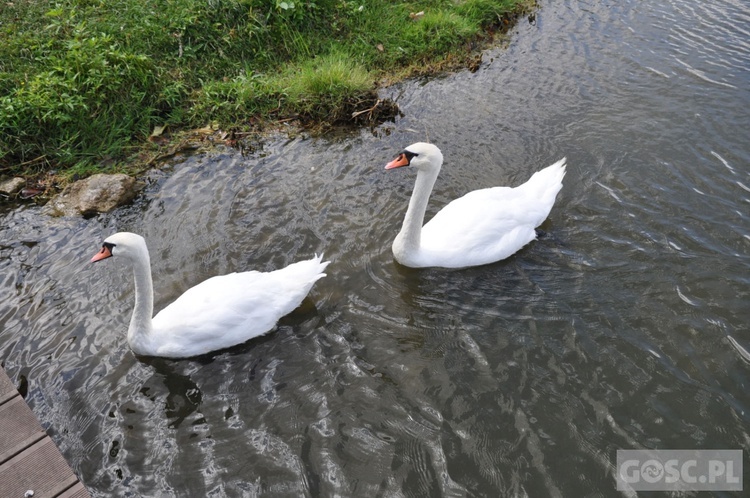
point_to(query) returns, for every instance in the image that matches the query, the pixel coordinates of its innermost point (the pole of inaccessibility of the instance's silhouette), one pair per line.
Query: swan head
(421, 155)
(127, 244)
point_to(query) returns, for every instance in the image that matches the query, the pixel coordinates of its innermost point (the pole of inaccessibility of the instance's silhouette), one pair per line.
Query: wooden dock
(30, 463)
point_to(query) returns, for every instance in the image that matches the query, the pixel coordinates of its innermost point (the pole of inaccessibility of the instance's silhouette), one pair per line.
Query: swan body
(218, 313)
(481, 227)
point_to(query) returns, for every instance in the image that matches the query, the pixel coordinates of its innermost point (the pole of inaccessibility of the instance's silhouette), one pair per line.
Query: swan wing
(478, 228)
(230, 309)
(491, 224)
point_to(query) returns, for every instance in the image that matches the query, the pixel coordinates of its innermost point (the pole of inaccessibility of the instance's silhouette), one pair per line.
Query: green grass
(84, 82)
(312, 89)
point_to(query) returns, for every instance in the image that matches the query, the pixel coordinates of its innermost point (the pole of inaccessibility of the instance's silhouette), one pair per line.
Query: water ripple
(622, 326)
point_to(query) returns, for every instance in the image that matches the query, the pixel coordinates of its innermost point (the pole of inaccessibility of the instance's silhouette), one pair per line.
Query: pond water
(624, 326)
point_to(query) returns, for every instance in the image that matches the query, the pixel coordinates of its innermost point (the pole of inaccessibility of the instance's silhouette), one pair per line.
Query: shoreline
(44, 180)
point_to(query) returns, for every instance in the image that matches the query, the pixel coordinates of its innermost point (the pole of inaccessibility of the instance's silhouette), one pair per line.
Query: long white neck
(140, 322)
(408, 240)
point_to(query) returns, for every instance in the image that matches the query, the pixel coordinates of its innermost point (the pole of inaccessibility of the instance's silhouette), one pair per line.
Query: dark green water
(625, 326)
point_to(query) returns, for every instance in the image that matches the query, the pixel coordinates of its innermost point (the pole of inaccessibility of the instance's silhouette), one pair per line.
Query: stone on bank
(12, 186)
(96, 194)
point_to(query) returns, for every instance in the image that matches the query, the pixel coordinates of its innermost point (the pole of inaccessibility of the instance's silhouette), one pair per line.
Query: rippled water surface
(624, 326)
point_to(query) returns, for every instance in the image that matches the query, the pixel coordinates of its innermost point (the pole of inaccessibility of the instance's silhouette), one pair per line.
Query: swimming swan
(481, 227)
(218, 313)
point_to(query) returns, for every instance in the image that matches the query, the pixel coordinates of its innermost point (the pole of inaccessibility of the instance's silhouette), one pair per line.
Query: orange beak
(399, 162)
(103, 254)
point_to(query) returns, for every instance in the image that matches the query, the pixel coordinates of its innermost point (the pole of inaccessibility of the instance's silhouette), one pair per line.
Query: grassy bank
(83, 83)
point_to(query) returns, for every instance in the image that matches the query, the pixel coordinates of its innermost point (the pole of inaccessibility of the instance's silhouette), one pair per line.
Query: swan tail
(542, 189)
(321, 265)
(292, 284)
(310, 270)
(545, 184)
(550, 176)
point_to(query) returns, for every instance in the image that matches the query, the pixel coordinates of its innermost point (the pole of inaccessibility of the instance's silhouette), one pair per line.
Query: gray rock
(12, 186)
(96, 194)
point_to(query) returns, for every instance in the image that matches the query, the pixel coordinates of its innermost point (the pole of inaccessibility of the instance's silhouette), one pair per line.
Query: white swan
(481, 227)
(218, 313)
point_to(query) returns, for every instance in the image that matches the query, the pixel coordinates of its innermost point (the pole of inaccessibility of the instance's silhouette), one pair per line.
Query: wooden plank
(19, 428)
(29, 459)
(7, 389)
(40, 468)
(77, 491)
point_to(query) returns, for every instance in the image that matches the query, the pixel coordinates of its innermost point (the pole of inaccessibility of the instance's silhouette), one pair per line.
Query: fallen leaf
(28, 193)
(158, 140)
(380, 47)
(206, 130)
